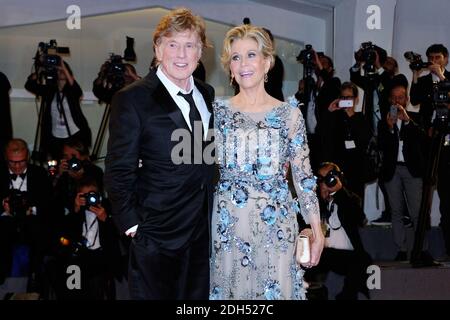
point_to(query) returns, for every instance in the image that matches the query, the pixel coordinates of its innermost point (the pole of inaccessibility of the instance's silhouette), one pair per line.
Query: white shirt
(182, 104)
(400, 157)
(338, 238)
(90, 230)
(59, 129)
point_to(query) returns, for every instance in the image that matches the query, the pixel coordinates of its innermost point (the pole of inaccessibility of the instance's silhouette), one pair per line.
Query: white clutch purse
(302, 249)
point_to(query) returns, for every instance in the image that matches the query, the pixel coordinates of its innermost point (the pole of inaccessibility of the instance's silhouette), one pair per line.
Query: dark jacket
(166, 200)
(351, 216)
(38, 188)
(73, 95)
(414, 144)
(422, 93)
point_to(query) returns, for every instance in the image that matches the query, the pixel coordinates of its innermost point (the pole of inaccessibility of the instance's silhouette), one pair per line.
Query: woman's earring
(266, 78)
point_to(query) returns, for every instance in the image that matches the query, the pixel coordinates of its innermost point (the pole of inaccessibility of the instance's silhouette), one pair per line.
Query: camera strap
(89, 229)
(62, 114)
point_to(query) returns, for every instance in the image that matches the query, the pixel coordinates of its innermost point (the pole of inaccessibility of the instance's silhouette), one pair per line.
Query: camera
(415, 61)
(72, 248)
(331, 179)
(52, 167)
(47, 60)
(343, 103)
(74, 164)
(441, 92)
(115, 67)
(306, 57)
(368, 54)
(393, 111)
(114, 73)
(18, 203)
(92, 199)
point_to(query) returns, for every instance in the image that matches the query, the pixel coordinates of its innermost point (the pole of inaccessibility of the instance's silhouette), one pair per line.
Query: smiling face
(247, 64)
(178, 55)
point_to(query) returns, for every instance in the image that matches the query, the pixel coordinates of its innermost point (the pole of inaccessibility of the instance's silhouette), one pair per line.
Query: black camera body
(75, 164)
(18, 203)
(115, 72)
(415, 61)
(47, 60)
(306, 57)
(441, 92)
(368, 54)
(92, 199)
(332, 178)
(441, 99)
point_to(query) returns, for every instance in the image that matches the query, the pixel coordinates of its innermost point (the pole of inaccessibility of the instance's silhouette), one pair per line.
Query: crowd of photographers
(59, 217)
(54, 212)
(405, 151)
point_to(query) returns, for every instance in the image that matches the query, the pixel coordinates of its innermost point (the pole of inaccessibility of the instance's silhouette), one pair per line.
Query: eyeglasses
(19, 162)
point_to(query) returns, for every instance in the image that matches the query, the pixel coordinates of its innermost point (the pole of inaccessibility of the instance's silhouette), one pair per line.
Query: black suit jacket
(38, 188)
(422, 93)
(166, 200)
(414, 144)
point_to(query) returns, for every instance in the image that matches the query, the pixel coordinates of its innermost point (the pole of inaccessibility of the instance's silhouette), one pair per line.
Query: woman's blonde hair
(262, 38)
(179, 20)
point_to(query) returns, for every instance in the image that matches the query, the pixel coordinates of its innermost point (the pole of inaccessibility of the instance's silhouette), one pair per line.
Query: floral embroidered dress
(254, 218)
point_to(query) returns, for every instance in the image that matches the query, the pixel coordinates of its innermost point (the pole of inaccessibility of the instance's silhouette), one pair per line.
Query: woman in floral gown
(254, 218)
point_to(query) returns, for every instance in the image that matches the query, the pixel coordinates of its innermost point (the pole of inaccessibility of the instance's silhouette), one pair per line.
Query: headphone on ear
(331, 179)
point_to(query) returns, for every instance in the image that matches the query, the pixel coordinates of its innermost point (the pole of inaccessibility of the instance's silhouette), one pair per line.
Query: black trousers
(353, 265)
(443, 189)
(159, 274)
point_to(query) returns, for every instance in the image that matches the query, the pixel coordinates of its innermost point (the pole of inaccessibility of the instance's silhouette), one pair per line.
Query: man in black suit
(160, 200)
(25, 190)
(403, 144)
(342, 217)
(422, 88)
(422, 93)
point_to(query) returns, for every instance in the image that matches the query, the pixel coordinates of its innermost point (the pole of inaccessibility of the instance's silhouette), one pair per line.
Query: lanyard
(89, 229)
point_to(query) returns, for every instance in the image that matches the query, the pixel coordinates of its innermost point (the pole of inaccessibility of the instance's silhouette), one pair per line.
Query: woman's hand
(316, 247)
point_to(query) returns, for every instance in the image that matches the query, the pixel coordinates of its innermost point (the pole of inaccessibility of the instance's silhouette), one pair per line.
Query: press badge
(350, 144)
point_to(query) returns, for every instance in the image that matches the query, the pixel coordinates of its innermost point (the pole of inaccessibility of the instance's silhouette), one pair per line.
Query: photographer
(403, 144)
(62, 118)
(379, 72)
(342, 217)
(346, 137)
(422, 92)
(25, 192)
(113, 76)
(422, 88)
(90, 240)
(316, 96)
(74, 165)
